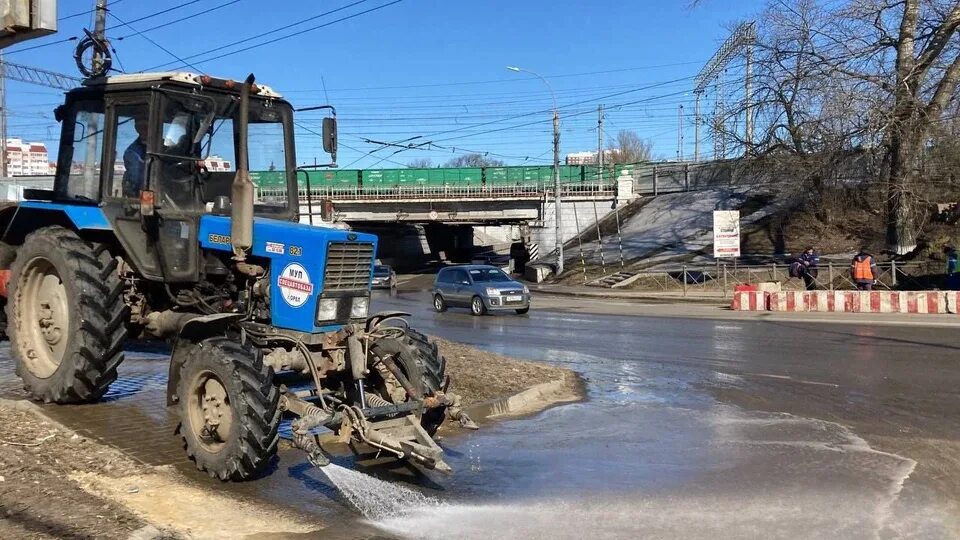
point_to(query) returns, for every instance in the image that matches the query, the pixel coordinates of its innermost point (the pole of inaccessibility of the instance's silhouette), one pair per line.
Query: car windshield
(381, 271)
(487, 275)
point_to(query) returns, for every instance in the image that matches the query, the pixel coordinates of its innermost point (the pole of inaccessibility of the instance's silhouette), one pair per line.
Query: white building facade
(27, 159)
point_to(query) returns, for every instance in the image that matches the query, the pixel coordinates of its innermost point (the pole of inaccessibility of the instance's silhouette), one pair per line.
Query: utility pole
(748, 98)
(556, 166)
(556, 186)
(99, 31)
(696, 126)
(3, 118)
(90, 184)
(680, 133)
(600, 143)
(719, 136)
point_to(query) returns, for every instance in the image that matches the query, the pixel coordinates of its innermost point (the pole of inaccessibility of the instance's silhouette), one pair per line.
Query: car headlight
(361, 304)
(493, 292)
(526, 290)
(327, 309)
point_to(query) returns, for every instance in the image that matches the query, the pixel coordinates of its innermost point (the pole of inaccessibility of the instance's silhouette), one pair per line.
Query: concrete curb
(533, 399)
(31, 407)
(655, 299)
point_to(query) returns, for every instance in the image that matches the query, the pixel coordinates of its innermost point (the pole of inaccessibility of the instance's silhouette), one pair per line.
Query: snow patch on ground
(677, 224)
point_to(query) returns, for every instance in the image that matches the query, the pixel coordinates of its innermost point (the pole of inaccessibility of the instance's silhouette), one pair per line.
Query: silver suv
(480, 287)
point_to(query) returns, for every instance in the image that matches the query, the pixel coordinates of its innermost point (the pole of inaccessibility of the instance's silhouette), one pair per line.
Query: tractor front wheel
(421, 362)
(228, 407)
(65, 316)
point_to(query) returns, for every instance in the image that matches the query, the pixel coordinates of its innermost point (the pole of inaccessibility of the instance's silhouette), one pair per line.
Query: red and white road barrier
(952, 301)
(750, 301)
(865, 301)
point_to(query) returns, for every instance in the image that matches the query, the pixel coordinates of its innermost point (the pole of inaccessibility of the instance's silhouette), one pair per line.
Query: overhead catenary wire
(154, 43)
(248, 39)
(179, 20)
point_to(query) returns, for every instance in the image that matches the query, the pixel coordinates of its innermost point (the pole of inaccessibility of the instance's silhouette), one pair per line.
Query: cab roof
(183, 77)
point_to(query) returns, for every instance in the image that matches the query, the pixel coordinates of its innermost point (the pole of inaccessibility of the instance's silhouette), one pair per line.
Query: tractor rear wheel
(66, 316)
(421, 362)
(228, 407)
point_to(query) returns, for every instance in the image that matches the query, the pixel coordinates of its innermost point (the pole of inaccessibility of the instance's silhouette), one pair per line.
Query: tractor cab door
(151, 189)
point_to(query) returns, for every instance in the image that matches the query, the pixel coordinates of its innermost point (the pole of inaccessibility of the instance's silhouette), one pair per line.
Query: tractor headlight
(327, 309)
(361, 304)
(493, 292)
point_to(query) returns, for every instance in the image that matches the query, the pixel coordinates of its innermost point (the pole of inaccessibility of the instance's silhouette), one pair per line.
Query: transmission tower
(740, 42)
(27, 74)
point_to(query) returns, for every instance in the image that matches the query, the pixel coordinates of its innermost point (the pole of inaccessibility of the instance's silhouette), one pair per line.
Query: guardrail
(832, 275)
(377, 193)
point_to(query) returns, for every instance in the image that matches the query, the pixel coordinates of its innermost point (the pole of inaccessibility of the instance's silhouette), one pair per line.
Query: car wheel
(523, 311)
(439, 304)
(477, 308)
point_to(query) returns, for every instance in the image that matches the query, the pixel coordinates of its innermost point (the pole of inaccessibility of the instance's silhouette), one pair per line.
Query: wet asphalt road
(698, 428)
(693, 428)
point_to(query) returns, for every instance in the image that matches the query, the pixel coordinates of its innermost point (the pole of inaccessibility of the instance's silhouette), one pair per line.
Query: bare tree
(420, 163)
(473, 160)
(629, 148)
(867, 75)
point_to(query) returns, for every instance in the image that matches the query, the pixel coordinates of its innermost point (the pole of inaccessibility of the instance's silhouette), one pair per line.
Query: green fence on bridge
(538, 177)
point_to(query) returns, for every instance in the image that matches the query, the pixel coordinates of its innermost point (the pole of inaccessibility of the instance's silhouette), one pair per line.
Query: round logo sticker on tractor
(295, 285)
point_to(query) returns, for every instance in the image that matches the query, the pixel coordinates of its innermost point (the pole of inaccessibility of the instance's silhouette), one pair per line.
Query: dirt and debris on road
(55, 483)
(37, 497)
(478, 376)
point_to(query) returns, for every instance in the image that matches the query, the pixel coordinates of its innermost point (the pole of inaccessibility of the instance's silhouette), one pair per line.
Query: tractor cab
(158, 151)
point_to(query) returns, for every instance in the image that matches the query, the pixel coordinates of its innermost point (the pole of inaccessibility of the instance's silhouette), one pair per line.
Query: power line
(113, 3)
(511, 79)
(181, 19)
(341, 19)
(42, 45)
(163, 11)
(87, 12)
(648, 87)
(264, 34)
(159, 46)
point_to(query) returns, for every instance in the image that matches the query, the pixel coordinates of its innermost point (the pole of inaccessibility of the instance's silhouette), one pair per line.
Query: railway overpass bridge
(444, 220)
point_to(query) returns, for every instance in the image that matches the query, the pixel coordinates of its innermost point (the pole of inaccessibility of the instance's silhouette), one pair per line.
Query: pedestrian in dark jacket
(953, 270)
(863, 271)
(809, 267)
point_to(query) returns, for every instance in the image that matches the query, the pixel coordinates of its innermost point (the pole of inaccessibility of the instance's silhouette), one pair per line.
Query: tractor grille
(348, 266)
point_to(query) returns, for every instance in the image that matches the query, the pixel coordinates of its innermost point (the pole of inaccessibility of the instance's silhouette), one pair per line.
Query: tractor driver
(134, 158)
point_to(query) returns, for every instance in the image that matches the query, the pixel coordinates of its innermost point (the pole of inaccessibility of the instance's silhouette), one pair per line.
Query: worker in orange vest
(863, 270)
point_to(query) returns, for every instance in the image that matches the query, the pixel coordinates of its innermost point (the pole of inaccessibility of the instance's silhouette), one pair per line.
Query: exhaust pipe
(241, 203)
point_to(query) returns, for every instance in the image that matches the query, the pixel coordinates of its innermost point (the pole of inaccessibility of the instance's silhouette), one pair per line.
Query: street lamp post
(556, 166)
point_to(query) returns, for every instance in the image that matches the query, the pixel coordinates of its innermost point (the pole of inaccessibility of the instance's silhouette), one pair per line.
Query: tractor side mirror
(330, 137)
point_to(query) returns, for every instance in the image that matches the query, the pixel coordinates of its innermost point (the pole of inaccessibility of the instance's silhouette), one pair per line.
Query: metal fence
(832, 275)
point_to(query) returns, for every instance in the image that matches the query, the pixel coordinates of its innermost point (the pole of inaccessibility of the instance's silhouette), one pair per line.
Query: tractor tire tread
(258, 411)
(100, 332)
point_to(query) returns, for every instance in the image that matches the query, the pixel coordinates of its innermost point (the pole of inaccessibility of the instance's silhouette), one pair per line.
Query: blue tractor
(150, 231)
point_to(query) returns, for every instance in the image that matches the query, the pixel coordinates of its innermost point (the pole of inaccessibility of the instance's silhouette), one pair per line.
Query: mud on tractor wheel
(65, 316)
(228, 407)
(421, 362)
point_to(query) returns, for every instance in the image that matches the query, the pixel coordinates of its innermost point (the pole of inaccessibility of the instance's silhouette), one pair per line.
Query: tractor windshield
(205, 129)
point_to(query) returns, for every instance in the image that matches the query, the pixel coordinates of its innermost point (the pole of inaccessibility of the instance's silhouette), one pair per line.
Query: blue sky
(429, 69)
